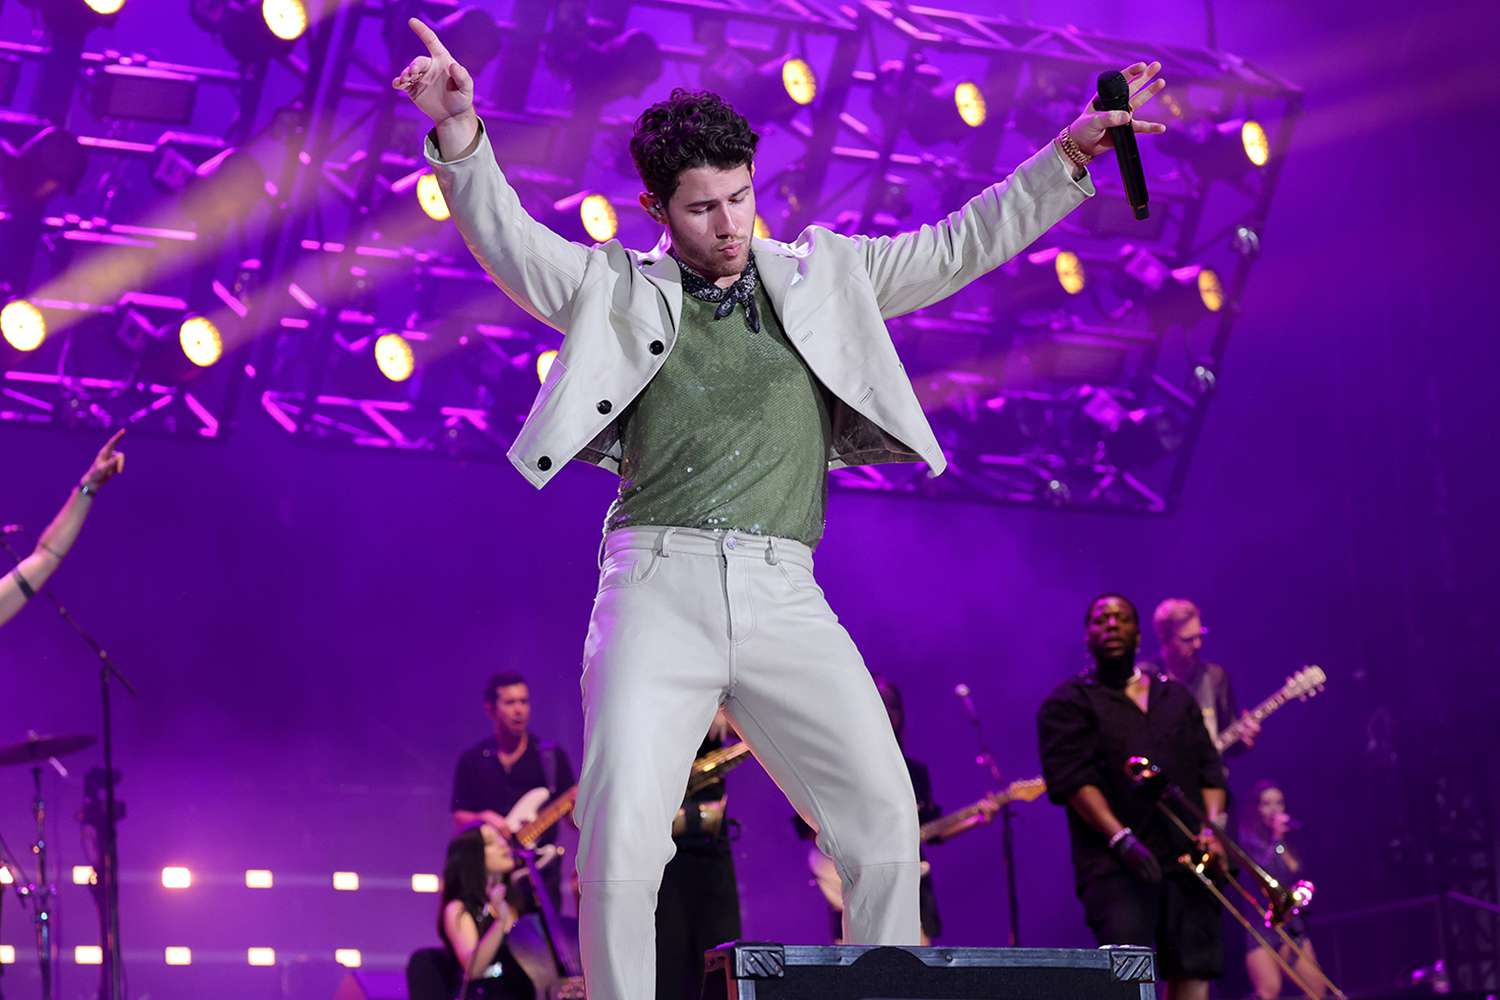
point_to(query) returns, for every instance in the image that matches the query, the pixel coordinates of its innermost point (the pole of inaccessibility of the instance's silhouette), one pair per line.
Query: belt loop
(661, 542)
(772, 556)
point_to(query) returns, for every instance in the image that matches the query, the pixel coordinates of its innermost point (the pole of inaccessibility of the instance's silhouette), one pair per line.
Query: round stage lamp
(800, 81)
(544, 364)
(394, 358)
(599, 218)
(430, 197)
(969, 100)
(1210, 290)
(23, 325)
(287, 19)
(201, 341)
(1257, 145)
(105, 7)
(1070, 272)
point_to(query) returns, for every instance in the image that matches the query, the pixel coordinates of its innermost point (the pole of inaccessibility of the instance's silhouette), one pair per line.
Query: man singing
(1124, 850)
(721, 377)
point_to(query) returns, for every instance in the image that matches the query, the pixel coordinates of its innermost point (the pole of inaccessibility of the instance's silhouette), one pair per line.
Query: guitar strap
(547, 750)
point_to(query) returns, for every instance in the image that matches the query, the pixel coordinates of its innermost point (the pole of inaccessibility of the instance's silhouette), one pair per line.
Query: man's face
(1185, 644)
(1112, 633)
(512, 709)
(711, 217)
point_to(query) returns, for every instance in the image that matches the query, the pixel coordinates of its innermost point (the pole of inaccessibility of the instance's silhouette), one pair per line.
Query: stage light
(6, 878)
(88, 954)
(1253, 138)
(178, 955)
(143, 93)
(1210, 290)
(349, 958)
(544, 364)
(84, 875)
(396, 362)
(260, 956)
(430, 197)
(287, 19)
(1070, 272)
(800, 81)
(773, 91)
(53, 160)
(23, 325)
(1245, 241)
(599, 218)
(201, 341)
(1174, 296)
(426, 883)
(76, 15)
(259, 878)
(105, 7)
(7, 954)
(176, 877)
(762, 231)
(349, 881)
(969, 100)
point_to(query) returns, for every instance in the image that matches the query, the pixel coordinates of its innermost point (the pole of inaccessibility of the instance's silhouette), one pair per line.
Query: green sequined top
(732, 434)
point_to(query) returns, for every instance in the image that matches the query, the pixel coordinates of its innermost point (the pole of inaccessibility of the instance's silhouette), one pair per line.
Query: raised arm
(537, 268)
(57, 540)
(915, 269)
(475, 953)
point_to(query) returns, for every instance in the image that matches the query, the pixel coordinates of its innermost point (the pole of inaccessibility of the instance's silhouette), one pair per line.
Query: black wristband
(26, 588)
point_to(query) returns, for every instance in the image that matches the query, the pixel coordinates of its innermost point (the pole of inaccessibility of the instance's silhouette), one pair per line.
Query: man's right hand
(439, 86)
(1138, 859)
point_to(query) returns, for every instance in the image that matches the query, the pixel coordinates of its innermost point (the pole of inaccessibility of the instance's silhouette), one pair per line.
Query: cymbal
(38, 748)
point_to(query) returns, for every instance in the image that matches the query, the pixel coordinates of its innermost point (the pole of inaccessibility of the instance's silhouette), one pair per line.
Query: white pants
(686, 620)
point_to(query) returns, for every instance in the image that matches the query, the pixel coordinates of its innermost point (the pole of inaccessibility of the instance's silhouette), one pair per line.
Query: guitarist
(698, 905)
(1179, 629)
(927, 811)
(498, 772)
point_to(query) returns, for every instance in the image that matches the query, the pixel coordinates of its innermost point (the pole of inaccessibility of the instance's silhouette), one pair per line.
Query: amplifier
(760, 970)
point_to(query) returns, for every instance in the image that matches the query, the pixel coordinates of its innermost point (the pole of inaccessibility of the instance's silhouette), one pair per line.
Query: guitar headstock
(1305, 683)
(1026, 790)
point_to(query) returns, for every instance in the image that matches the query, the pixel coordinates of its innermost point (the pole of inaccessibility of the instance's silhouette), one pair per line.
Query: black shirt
(481, 782)
(1087, 731)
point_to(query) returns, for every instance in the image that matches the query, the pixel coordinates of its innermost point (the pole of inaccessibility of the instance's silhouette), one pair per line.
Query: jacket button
(604, 406)
(657, 347)
(544, 463)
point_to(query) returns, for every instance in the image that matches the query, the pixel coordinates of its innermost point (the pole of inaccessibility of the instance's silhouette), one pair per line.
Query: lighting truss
(1077, 377)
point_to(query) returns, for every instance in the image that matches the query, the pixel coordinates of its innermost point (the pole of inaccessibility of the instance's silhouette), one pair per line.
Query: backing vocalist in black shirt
(1124, 851)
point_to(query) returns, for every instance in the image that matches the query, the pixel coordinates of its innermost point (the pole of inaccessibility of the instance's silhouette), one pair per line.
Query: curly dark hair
(692, 128)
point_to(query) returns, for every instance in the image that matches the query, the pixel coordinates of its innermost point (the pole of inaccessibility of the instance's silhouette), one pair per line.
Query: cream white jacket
(620, 308)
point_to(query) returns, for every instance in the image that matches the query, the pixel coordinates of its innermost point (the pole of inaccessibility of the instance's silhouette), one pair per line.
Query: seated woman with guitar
(478, 912)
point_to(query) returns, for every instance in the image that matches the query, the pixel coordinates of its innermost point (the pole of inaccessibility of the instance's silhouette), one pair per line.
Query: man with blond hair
(1180, 632)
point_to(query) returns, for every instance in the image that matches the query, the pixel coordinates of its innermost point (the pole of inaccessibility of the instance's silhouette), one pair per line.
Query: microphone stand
(111, 976)
(986, 760)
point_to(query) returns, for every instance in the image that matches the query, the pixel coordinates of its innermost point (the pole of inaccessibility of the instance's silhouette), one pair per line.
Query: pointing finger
(429, 38)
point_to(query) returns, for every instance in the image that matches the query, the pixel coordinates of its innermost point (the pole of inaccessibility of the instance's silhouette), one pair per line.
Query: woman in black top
(1264, 835)
(474, 917)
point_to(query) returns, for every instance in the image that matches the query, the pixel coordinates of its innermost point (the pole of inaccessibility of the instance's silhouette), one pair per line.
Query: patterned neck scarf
(741, 292)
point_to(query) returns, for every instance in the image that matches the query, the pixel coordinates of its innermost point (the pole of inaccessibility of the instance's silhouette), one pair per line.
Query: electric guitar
(826, 875)
(1302, 685)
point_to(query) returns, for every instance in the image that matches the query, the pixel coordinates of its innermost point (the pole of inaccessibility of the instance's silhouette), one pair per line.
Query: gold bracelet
(1071, 150)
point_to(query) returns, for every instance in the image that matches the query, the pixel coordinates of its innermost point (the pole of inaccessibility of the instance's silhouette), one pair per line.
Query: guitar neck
(549, 817)
(953, 822)
(713, 765)
(1230, 735)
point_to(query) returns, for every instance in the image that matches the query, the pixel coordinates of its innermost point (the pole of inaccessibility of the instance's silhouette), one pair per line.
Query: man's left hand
(1090, 130)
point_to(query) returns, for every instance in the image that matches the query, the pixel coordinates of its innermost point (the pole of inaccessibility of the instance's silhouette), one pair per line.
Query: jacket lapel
(661, 270)
(778, 271)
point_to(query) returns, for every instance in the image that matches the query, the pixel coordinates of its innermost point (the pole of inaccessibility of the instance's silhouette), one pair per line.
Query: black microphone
(1114, 95)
